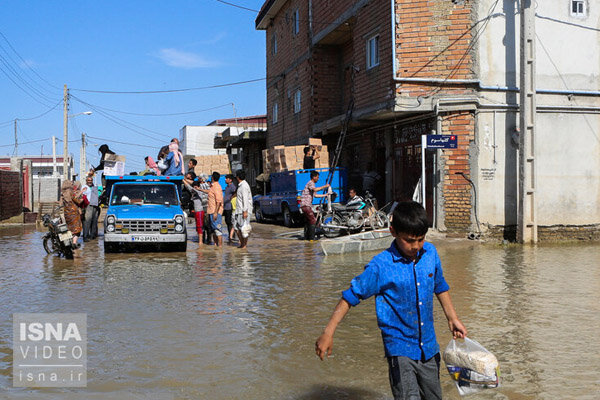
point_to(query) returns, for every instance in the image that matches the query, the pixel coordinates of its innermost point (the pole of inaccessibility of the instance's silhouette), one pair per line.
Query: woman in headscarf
(71, 200)
(175, 161)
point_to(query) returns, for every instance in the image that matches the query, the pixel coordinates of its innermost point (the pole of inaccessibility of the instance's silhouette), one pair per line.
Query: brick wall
(456, 190)
(46, 189)
(323, 72)
(11, 200)
(433, 39)
(287, 71)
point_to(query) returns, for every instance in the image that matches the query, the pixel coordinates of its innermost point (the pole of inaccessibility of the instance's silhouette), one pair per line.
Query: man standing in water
(243, 207)
(403, 280)
(306, 200)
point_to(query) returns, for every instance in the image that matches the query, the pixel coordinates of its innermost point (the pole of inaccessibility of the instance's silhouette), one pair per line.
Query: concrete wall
(11, 194)
(567, 139)
(199, 140)
(46, 189)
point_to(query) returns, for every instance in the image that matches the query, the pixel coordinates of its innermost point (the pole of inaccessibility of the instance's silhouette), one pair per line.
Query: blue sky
(128, 45)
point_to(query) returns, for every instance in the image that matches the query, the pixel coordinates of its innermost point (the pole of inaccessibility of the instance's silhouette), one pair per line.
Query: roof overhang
(267, 13)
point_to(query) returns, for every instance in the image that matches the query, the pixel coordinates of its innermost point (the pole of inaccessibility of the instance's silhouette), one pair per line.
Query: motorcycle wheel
(68, 252)
(379, 220)
(49, 244)
(334, 220)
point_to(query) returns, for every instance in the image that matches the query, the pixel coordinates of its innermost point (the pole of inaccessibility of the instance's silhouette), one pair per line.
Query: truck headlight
(178, 228)
(110, 219)
(110, 228)
(179, 219)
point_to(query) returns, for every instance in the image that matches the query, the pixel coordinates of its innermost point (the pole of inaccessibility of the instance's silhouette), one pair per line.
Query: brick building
(436, 66)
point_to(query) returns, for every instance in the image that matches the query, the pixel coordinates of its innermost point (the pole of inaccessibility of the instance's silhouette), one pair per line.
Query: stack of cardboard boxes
(287, 158)
(209, 164)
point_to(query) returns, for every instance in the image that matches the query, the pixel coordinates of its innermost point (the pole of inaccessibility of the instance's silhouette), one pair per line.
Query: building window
(578, 8)
(373, 52)
(297, 101)
(296, 22)
(275, 112)
(274, 43)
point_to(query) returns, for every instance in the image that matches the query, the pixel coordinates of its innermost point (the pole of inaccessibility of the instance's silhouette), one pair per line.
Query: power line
(171, 90)
(567, 23)
(122, 124)
(27, 64)
(31, 141)
(125, 143)
(20, 78)
(163, 115)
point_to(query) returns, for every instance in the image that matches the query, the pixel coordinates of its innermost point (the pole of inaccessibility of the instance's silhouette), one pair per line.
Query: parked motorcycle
(353, 218)
(58, 240)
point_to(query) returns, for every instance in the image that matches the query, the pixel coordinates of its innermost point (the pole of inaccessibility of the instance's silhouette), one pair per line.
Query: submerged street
(234, 324)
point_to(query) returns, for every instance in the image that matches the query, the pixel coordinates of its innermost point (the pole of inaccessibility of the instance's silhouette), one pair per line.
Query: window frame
(296, 22)
(274, 43)
(578, 14)
(297, 101)
(275, 110)
(369, 53)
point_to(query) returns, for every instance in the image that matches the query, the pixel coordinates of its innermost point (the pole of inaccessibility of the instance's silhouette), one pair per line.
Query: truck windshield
(144, 194)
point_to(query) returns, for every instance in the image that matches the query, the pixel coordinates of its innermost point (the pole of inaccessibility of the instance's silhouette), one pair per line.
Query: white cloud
(183, 59)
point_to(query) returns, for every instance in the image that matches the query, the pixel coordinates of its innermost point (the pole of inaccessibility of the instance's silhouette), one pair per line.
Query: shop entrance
(407, 163)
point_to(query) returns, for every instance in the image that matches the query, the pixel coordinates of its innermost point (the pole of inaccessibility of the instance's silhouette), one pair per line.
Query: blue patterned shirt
(403, 293)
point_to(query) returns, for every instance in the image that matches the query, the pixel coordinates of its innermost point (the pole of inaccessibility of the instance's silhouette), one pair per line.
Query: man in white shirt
(243, 209)
(90, 223)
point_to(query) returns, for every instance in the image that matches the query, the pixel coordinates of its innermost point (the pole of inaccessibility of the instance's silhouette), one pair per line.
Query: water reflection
(225, 324)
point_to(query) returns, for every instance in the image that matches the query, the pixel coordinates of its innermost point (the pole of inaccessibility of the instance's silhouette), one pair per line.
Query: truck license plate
(139, 238)
(65, 236)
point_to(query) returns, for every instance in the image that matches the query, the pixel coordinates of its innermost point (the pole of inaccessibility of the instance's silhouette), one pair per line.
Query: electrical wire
(31, 141)
(123, 122)
(27, 64)
(170, 90)
(115, 141)
(162, 115)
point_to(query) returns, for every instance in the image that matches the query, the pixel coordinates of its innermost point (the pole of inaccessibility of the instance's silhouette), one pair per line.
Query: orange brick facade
(327, 62)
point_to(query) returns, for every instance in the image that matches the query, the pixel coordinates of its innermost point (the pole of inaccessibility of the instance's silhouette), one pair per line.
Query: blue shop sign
(442, 142)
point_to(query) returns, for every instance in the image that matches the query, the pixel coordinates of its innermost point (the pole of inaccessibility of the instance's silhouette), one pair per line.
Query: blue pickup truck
(144, 212)
(283, 199)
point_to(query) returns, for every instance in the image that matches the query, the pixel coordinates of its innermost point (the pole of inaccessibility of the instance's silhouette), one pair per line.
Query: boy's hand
(324, 346)
(457, 328)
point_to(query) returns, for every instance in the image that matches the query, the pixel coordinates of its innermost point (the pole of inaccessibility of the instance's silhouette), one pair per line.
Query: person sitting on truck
(308, 194)
(174, 160)
(192, 165)
(309, 158)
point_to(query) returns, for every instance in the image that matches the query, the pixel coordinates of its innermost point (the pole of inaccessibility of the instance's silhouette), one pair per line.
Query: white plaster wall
(568, 169)
(567, 54)
(199, 140)
(567, 140)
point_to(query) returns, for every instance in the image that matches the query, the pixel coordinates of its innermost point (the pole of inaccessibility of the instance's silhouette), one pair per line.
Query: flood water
(232, 324)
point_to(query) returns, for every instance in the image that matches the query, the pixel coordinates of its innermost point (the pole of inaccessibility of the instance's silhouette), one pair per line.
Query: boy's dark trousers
(415, 380)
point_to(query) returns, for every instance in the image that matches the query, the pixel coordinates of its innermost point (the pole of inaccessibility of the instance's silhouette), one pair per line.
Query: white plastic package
(471, 366)
(246, 229)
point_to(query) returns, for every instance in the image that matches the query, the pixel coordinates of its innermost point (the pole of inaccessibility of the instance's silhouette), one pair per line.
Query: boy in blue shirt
(403, 280)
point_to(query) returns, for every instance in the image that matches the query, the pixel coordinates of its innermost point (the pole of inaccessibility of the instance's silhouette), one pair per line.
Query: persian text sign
(49, 350)
(441, 142)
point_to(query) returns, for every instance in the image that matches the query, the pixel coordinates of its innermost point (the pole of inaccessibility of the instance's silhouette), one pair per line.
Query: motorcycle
(58, 240)
(353, 218)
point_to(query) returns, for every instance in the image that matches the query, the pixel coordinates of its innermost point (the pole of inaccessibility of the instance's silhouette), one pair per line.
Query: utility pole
(82, 161)
(16, 140)
(65, 133)
(54, 172)
(527, 221)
